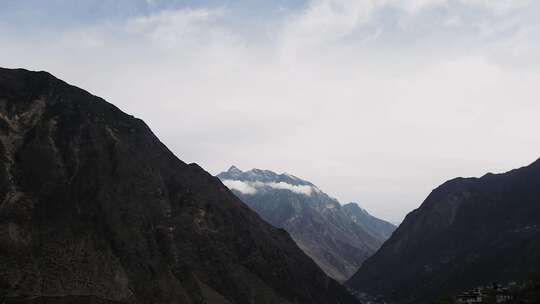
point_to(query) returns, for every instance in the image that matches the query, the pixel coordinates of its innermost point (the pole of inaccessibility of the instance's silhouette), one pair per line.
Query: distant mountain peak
(338, 240)
(263, 176)
(234, 169)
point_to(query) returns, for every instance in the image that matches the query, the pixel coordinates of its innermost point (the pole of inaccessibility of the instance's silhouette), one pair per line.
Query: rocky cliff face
(95, 209)
(468, 232)
(338, 238)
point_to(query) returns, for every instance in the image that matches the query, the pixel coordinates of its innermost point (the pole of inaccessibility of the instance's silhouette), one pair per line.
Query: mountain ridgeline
(338, 238)
(468, 232)
(95, 209)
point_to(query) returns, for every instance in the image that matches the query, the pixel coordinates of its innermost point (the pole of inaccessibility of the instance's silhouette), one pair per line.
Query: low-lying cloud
(301, 189)
(251, 188)
(240, 186)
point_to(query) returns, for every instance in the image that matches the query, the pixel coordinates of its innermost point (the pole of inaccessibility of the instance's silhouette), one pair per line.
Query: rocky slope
(375, 226)
(468, 232)
(95, 209)
(338, 238)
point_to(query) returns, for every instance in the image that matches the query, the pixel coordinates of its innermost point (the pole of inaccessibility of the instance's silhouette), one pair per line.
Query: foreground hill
(338, 238)
(468, 232)
(95, 209)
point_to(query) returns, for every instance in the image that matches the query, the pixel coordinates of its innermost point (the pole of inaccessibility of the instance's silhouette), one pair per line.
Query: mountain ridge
(317, 222)
(468, 232)
(95, 208)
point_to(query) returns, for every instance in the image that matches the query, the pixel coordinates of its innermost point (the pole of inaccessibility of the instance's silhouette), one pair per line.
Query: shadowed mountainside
(468, 232)
(95, 209)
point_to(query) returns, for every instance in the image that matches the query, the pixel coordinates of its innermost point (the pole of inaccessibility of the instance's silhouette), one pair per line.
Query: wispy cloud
(251, 188)
(301, 189)
(240, 186)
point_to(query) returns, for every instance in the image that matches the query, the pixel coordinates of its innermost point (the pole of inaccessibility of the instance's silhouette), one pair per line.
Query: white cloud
(414, 6)
(240, 186)
(498, 6)
(175, 25)
(453, 21)
(253, 187)
(375, 101)
(300, 189)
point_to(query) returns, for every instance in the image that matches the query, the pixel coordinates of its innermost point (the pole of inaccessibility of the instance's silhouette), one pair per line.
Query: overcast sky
(374, 101)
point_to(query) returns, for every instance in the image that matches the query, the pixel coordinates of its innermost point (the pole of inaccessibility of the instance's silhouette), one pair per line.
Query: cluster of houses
(494, 293)
(498, 294)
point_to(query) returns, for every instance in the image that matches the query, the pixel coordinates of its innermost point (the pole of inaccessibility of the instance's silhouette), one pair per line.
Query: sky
(374, 101)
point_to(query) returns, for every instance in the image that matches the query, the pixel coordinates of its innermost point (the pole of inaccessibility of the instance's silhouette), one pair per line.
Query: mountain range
(469, 232)
(338, 238)
(95, 209)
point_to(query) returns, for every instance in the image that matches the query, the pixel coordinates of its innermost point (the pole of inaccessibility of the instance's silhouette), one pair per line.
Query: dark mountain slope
(95, 209)
(336, 240)
(468, 232)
